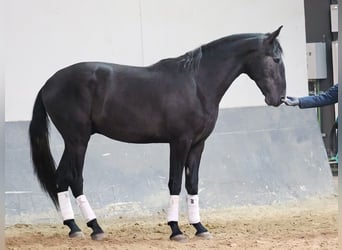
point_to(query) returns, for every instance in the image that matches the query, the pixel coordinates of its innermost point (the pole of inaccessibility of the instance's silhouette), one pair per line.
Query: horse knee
(192, 190)
(191, 187)
(175, 187)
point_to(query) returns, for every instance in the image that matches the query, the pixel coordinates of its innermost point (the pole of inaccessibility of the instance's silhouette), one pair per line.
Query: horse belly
(123, 126)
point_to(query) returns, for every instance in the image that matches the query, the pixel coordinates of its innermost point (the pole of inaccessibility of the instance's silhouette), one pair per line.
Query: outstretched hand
(291, 101)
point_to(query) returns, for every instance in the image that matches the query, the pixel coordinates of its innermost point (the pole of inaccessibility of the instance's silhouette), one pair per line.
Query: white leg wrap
(65, 205)
(86, 210)
(172, 213)
(193, 209)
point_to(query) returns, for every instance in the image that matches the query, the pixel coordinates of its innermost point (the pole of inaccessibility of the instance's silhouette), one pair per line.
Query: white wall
(43, 36)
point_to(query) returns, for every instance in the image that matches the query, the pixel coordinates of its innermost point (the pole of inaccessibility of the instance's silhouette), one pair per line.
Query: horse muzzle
(276, 102)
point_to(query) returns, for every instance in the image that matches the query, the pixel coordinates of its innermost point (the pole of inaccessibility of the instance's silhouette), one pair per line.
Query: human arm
(326, 98)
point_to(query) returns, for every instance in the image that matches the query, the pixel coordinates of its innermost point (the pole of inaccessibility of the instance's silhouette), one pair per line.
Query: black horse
(174, 101)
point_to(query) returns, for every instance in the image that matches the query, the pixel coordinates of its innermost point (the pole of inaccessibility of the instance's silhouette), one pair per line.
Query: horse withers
(174, 101)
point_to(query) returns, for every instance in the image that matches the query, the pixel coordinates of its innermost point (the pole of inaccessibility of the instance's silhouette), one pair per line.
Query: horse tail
(43, 163)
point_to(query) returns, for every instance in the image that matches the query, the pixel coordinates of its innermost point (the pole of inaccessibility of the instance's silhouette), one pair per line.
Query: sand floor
(311, 224)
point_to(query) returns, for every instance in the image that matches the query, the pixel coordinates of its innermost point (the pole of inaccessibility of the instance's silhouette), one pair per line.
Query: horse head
(265, 66)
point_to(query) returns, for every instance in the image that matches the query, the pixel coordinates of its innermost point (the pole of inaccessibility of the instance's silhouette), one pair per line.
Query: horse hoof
(77, 234)
(179, 238)
(99, 236)
(204, 235)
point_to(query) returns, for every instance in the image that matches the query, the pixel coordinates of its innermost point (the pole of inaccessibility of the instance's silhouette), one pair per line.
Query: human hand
(291, 101)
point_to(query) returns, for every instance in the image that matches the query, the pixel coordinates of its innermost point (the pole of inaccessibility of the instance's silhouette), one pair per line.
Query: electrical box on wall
(334, 17)
(316, 60)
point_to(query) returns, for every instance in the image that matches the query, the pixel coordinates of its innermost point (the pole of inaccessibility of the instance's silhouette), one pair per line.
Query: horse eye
(276, 59)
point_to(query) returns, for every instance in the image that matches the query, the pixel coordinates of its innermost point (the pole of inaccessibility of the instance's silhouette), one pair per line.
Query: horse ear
(271, 37)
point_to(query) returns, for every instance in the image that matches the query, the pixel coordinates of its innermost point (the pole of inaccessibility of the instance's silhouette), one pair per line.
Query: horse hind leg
(90, 217)
(72, 176)
(63, 180)
(86, 210)
(68, 215)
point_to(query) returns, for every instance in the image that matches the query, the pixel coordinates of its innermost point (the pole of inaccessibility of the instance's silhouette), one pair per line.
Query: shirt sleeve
(326, 98)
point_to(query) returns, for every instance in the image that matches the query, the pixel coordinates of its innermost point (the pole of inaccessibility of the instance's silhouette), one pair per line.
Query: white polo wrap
(193, 209)
(65, 205)
(172, 213)
(85, 208)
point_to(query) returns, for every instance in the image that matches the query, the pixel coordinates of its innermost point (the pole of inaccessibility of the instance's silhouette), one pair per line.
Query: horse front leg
(191, 184)
(178, 153)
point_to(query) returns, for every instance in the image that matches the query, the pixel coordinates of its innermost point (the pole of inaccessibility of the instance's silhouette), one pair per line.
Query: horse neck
(217, 73)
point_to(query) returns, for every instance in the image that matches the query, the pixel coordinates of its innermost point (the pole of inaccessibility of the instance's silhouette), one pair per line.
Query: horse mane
(190, 61)
(250, 40)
